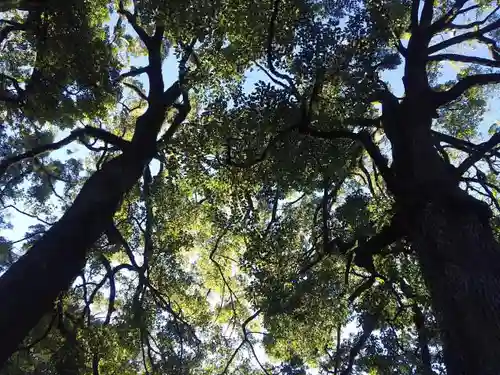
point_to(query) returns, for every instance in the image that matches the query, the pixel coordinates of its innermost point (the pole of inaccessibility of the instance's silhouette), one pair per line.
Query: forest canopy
(232, 187)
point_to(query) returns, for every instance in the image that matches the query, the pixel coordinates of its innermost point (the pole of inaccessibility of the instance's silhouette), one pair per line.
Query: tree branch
(270, 38)
(137, 90)
(427, 13)
(464, 37)
(463, 85)
(445, 20)
(132, 19)
(75, 134)
(474, 24)
(465, 59)
(414, 16)
(482, 149)
(423, 341)
(134, 72)
(369, 324)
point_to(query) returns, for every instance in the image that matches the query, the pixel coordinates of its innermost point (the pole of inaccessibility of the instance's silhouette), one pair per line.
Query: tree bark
(454, 241)
(31, 285)
(460, 261)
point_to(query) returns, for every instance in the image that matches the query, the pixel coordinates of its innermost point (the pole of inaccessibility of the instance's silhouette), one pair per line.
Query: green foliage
(224, 258)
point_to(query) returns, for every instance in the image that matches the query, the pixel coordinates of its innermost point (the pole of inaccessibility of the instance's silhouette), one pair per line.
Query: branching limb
(137, 90)
(481, 151)
(365, 251)
(245, 340)
(270, 58)
(465, 59)
(444, 97)
(415, 4)
(445, 20)
(464, 37)
(427, 13)
(133, 73)
(75, 134)
(132, 20)
(183, 110)
(370, 321)
(475, 23)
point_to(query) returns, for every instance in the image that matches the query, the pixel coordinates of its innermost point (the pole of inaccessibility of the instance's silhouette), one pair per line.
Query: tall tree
(290, 183)
(64, 44)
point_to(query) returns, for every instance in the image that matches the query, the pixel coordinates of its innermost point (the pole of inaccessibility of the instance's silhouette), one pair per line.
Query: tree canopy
(235, 187)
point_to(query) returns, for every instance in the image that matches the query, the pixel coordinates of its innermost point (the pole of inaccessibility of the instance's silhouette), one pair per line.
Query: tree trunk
(31, 285)
(460, 261)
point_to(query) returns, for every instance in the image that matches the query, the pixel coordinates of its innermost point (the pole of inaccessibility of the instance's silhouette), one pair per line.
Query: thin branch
(369, 324)
(464, 37)
(465, 59)
(445, 20)
(482, 150)
(137, 90)
(75, 134)
(27, 214)
(271, 77)
(270, 58)
(112, 288)
(245, 340)
(132, 19)
(475, 23)
(133, 72)
(363, 287)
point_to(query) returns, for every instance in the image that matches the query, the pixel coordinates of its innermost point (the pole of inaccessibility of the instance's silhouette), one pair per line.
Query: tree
(278, 181)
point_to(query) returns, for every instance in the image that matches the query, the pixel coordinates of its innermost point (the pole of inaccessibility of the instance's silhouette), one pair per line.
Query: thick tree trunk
(451, 234)
(31, 285)
(460, 261)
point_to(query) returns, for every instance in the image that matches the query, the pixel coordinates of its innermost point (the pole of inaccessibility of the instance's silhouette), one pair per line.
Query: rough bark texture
(460, 260)
(31, 285)
(451, 234)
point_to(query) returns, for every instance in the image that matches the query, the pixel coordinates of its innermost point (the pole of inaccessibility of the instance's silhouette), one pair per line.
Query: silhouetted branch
(427, 13)
(464, 37)
(423, 340)
(137, 90)
(132, 20)
(481, 151)
(445, 20)
(444, 97)
(475, 23)
(245, 339)
(270, 58)
(75, 134)
(369, 324)
(134, 72)
(465, 59)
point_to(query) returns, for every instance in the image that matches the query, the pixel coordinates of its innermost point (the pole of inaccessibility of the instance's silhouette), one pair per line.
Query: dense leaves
(264, 236)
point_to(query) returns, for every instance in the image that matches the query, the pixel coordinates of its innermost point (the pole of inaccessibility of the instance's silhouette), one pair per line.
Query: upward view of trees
(236, 187)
